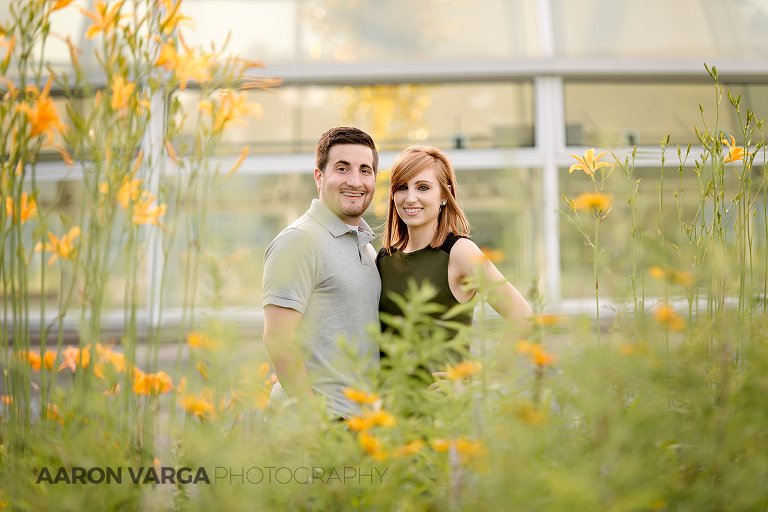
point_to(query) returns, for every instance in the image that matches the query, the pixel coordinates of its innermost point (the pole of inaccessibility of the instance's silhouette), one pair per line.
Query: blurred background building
(509, 88)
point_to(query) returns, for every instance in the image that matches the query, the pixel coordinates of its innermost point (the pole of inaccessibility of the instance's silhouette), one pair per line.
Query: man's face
(347, 184)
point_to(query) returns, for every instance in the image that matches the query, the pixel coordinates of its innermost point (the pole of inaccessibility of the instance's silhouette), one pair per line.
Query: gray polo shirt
(326, 272)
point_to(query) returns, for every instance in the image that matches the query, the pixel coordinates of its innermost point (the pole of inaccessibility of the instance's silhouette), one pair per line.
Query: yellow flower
(360, 397)
(74, 358)
(468, 448)
(590, 163)
(494, 255)
(43, 116)
(594, 201)
(657, 272)
(372, 445)
(409, 449)
(104, 19)
(49, 359)
(441, 445)
(232, 108)
(668, 317)
(197, 405)
(145, 213)
(370, 419)
(121, 92)
(464, 447)
(528, 413)
(681, 277)
(203, 369)
(537, 353)
(173, 17)
(151, 383)
(463, 369)
(545, 320)
(734, 152)
(27, 208)
(62, 248)
(199, 340)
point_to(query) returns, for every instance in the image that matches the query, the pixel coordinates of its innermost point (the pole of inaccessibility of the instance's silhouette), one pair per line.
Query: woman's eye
(402, 187)
(423, 188)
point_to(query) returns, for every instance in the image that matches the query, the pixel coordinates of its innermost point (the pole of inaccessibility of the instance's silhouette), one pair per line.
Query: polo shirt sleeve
(290, 270)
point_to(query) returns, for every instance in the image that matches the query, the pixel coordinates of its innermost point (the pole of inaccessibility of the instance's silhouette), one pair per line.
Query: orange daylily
(129, 191)
(173, 17)
(60, 4)
(43, 116)
(11, 44)
(104, 19)
(151, 383)
(145, 213)
(49, 359)
(464, 369)
(61, 247)
(27, 208)
(121, 92)
(734, 152)
(232, 108)
(105, 355)
(186, 66)
(74, 357)
(31, 357)
(590, 163)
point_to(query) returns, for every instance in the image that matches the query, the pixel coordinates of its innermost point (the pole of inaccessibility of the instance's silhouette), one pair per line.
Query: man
(321, 286)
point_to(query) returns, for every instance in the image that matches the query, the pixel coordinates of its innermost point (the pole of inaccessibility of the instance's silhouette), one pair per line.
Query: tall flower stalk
(597, 205)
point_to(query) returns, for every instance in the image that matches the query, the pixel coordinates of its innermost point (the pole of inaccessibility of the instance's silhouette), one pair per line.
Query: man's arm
(280, 326)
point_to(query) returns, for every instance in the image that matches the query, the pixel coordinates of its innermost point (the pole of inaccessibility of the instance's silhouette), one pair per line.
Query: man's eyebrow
(344, 162)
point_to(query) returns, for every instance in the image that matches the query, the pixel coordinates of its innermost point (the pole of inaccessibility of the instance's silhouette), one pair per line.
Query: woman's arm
(467, 263)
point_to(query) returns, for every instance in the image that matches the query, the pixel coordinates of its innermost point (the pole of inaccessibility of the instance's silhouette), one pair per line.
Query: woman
(426, 239)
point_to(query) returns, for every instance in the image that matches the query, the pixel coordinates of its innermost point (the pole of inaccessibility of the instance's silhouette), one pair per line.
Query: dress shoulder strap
(450, 240)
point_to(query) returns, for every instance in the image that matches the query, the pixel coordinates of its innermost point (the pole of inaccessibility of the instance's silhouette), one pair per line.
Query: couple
(323, 280)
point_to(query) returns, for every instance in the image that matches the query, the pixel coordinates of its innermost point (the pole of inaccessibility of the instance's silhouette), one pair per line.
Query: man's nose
(354, 179)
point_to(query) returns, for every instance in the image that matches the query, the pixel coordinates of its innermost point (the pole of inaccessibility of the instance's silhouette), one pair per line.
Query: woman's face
(418, 201)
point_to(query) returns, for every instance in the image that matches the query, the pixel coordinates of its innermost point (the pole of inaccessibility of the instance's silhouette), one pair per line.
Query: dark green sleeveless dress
(428, 264)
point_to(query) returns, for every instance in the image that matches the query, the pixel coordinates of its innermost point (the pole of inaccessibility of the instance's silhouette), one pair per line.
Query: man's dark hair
(343, 135)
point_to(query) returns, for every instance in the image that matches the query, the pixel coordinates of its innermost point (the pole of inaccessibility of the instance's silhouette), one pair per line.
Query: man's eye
(341, 169)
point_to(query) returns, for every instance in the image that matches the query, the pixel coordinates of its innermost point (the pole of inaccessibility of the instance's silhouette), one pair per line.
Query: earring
(444, 203)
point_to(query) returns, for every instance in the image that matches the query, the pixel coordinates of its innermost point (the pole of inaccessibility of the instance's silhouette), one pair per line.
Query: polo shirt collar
(335, 225)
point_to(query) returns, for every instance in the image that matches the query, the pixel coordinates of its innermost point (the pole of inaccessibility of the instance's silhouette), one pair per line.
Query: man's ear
(318, 177)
